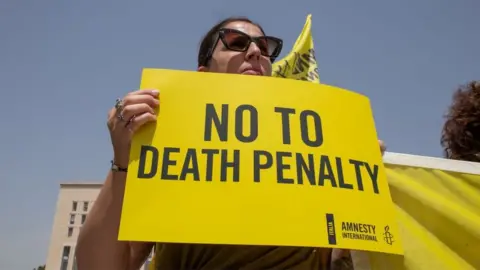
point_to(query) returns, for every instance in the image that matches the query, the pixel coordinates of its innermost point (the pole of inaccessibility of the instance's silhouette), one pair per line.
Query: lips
(252, 71)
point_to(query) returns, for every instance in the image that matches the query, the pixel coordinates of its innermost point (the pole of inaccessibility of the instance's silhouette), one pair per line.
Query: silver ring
(120, 116)
(119, 108)
(119, 104)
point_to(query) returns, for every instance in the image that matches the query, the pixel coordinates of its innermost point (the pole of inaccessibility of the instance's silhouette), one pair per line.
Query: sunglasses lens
(267, 45)
(236, 41)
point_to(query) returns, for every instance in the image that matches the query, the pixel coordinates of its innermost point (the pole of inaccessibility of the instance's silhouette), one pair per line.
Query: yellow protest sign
(250, 160)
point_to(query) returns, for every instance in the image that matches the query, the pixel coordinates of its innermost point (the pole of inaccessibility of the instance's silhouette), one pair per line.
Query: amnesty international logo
(388, 236)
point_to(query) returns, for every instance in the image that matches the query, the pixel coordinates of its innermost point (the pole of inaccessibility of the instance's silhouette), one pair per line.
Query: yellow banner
(257, 161)
(437, 205)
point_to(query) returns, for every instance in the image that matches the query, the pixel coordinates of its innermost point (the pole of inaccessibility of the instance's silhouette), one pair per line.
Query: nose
(253, 52)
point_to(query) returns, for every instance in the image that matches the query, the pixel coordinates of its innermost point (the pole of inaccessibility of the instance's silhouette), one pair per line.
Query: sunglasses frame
(221, 36)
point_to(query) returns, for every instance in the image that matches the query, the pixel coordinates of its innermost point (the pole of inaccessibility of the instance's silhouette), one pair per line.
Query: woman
(235, 45)
(461, 131)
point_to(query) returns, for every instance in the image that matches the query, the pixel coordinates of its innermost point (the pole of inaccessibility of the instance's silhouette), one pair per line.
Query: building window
(74, 206)
(85, 206)
(70, 231)
(74, 263)
(72, 219)
(84, 217)
(65, 257)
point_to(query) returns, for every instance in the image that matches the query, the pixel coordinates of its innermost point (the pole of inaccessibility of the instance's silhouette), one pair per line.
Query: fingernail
(155, 92)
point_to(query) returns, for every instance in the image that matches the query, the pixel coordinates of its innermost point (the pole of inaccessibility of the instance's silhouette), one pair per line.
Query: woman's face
(250, 62)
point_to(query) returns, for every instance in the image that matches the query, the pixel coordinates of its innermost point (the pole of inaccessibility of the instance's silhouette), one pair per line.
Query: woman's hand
(129, 114)
(383, 147)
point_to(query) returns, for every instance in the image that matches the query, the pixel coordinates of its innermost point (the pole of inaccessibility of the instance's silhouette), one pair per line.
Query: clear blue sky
(63, 64)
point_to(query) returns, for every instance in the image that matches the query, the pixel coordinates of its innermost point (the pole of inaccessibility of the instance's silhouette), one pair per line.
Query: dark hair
(461, 131)
(209, 38)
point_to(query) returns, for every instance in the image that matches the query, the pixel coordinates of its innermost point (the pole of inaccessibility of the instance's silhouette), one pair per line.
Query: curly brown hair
(461, 132)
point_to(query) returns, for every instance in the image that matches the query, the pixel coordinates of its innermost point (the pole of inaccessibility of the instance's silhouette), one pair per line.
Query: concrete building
(73, 204)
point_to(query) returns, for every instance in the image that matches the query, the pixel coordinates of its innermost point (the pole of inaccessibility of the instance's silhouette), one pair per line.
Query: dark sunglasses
(239, 41)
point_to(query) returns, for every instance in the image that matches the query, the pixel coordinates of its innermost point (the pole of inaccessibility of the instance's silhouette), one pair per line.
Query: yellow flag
(300, 63)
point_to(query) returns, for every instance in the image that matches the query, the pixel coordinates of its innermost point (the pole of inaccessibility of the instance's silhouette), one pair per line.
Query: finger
(383, 147)
(151, 92)
(136, 109)
(141, 120)
(136, 99)
(112, 115)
